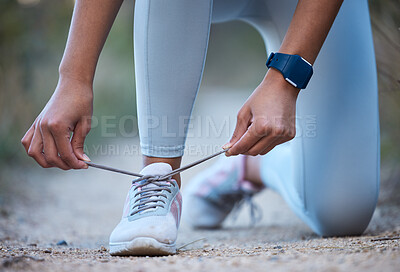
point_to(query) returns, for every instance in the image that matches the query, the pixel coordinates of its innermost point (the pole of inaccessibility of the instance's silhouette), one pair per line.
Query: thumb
(78, 140)
(242, 123)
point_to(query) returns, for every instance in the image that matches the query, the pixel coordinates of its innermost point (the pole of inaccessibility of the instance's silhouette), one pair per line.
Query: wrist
(75, 73)
(276, 80)
(69, 84)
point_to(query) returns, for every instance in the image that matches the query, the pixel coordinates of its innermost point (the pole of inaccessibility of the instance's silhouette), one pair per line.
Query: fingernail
(85, 157)
(226, 146)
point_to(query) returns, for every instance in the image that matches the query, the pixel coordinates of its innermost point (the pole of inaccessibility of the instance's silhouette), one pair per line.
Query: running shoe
(151, 216)
(215, 192)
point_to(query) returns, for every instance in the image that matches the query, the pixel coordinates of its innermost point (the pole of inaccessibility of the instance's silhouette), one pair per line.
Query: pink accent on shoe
(242, 171)
(174, 211)
(125, 212)
(126, 207)
(220, 176)
(176, 208)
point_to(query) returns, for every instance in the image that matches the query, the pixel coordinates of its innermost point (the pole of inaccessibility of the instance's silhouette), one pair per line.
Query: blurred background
(32, 39)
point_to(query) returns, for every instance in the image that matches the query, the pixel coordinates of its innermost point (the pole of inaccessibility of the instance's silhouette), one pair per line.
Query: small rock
(32, 245)
(47, 250)
(277, 247)
(62, 243)
(102, 248)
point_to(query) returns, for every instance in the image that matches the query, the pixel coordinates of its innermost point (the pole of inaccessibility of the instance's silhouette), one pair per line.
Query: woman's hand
(70, 108)
(68, 111)
(266, 119)
(268, 116)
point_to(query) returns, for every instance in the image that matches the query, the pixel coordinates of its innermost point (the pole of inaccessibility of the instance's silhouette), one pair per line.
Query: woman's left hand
(266, 119)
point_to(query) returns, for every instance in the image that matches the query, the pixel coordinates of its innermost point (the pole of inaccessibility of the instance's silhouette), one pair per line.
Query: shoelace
(235, 202)
(157, 192)
(152, 196)
(255, 210)
(152, 178)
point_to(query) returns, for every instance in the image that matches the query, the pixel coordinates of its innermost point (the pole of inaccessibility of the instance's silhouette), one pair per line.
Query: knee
(227, 10)
(342, 214)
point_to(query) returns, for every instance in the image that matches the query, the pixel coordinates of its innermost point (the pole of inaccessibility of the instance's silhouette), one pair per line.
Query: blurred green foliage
(385, 19)
(32, 40)
(33, 35)
(27, 46)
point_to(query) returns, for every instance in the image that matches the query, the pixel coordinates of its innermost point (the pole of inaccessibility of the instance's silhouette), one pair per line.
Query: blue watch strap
(296, 70)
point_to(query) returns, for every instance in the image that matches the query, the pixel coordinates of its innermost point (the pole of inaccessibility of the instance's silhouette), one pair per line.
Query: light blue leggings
(328, 174)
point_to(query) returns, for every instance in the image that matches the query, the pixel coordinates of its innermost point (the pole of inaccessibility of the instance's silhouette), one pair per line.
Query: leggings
(329, 173)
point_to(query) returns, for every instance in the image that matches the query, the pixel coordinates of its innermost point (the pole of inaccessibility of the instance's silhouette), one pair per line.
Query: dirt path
(84, 213)
(44, 207)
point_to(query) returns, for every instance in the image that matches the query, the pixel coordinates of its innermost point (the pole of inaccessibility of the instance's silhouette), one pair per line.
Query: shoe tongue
(158, 168)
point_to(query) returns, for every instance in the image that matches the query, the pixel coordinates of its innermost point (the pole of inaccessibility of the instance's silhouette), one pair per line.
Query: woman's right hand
(69, 111)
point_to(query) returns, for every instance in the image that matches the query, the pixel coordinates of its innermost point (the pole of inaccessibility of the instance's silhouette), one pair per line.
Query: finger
(36, 149)
(242, 123)
(261, 145)
(61, 135)
(249, 139)
(78, 140)
(50, 149)
(27, 139)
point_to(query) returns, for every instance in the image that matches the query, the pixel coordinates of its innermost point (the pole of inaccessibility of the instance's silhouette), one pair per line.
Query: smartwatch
(295, 70)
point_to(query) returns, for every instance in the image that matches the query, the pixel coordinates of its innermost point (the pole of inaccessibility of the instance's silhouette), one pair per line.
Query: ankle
(174, 162)
(252, 171)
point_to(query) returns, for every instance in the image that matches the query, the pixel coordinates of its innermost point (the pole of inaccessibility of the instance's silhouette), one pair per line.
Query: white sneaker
(151, 216)
(213, 193)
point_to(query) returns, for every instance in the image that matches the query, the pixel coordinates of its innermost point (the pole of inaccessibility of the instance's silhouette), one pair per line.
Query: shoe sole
(142, 246)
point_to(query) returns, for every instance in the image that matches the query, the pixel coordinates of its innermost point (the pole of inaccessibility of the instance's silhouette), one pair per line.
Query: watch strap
(296, 70)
